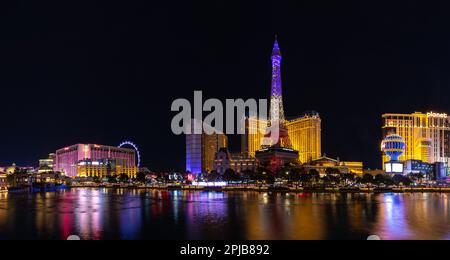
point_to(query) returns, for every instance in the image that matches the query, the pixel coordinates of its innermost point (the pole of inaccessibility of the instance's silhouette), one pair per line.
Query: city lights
(224, 129)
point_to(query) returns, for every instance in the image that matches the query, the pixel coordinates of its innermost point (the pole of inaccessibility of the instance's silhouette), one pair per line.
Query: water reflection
(141, 214)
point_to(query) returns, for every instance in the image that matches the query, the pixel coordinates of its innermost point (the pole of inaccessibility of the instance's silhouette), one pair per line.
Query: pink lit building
(66, 159)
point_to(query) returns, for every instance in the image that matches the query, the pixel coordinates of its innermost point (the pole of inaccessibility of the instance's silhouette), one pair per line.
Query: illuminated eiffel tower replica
(277, 148)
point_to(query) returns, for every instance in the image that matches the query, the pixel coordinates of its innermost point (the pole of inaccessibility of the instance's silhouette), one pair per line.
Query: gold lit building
(50, 161)
(66, 159)
(211, 144)
(427, 136)
(304, 133)
(105, 168)
(324, 163)
(354, 167)
(251, 141)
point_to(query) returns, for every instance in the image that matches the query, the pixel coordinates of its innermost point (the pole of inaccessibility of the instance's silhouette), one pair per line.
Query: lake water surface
(151, 214)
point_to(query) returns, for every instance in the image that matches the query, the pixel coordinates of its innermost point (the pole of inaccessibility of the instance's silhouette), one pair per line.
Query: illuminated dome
(393, 146)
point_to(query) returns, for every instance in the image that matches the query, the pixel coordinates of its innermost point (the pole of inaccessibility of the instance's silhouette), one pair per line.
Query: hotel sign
(439, 115)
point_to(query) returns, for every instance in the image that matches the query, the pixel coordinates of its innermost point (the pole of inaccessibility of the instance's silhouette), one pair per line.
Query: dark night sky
(102, 72)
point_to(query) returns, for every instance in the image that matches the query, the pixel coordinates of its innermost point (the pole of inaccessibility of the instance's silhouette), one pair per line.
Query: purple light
(276, 99)
(276, 71)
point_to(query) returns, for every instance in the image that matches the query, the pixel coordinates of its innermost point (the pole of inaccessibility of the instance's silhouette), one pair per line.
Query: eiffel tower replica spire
(277, 148)
(276, 100)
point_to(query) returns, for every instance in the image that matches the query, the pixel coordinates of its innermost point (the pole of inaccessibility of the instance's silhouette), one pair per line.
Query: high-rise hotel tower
(67, 160)
(427, 136)
(201, 150)
(305, 134)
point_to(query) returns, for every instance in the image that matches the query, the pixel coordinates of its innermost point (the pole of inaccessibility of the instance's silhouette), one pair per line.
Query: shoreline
(280, 190)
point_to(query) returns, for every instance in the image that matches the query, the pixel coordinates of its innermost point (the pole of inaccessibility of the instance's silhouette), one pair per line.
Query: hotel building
(304, 133)
(427, 136)
(201, 150)
(239, 163)
(251, 141)
(67, 159)
(324, 163)
(104, 168)
(50, 161)
(46, 165)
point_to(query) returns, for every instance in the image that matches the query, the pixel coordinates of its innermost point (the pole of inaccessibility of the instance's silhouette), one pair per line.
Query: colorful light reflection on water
(141, 214)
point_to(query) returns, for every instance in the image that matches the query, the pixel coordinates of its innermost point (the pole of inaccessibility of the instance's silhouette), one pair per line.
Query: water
(140, 214)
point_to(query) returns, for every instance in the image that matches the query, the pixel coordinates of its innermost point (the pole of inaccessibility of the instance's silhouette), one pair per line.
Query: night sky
(103, 72)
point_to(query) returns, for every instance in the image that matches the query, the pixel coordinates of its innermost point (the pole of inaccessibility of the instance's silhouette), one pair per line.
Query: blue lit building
(432, 171)
(201, 150)
(393, 146)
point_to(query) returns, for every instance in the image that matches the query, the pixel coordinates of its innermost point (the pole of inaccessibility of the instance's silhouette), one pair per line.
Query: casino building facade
(201, 151)
(69, 159)
(304, 133)
(427, 136)
(239, 163)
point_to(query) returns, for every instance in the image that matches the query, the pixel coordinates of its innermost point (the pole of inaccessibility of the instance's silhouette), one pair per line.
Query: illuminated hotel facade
(104, 168)
(427, 136)
(201, 150)
(251, 141)
(304, 133)
(69, 159)
(239, 163)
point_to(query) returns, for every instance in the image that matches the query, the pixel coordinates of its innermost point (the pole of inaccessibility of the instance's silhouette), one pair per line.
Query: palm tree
(213, 176)
(295, 175)
(10, 180)
(416, 177)
(269, 178)
(247, 175)
(314, 175)
(400, 179)
(332, 175)
(284, 173)
(112, 178)
(420, 177)
(367, 178)
(349, 177)
(230, 175)
(123, 177)
(141, 177)
(96, 179)
(382, 178)
(304, 177)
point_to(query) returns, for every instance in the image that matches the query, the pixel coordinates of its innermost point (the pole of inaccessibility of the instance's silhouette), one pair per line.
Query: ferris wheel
(134, 146)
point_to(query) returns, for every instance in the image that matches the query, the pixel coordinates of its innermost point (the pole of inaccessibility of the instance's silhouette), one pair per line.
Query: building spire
(276, 48)
(276, 106)
(277, 119)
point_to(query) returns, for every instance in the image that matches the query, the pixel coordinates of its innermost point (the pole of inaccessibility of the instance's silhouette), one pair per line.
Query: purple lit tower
(278, 150)
(276, 99)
